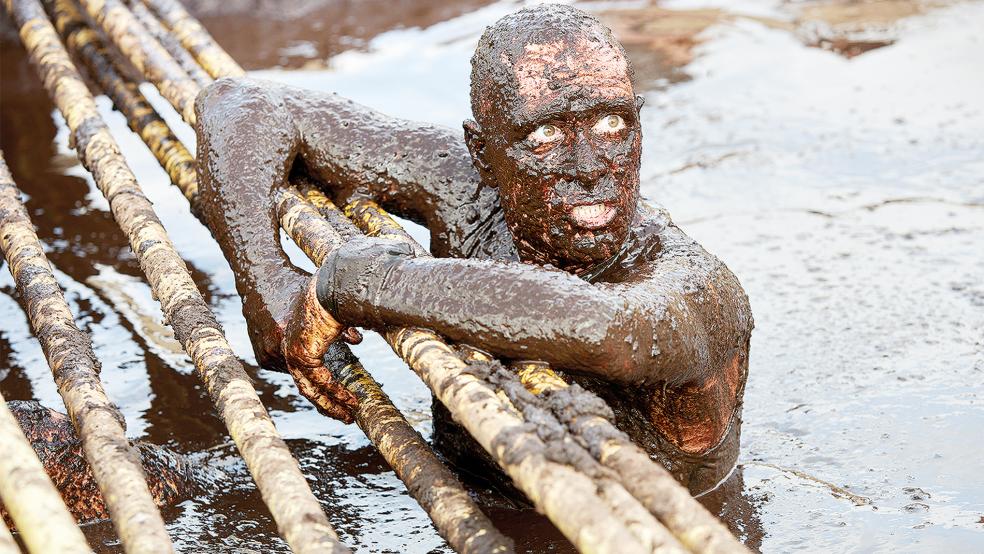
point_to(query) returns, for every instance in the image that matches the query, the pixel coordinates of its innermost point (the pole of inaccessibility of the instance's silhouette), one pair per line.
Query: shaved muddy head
(557, 131)
(534, 43)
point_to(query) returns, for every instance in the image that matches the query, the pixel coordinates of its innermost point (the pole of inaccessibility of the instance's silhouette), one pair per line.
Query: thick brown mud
(828, 152)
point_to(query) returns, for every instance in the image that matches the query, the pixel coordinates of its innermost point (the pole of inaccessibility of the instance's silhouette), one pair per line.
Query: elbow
(231, 106)
(214, 99)
(221, 93)
(625, 349)
(671, 346)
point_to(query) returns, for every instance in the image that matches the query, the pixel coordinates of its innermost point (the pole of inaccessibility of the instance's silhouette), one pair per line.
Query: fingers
(326, 403)
(323, 379)
(310, 330)
(309, 333)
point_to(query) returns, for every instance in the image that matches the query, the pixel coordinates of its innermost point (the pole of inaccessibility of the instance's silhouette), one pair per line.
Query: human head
(556, 129)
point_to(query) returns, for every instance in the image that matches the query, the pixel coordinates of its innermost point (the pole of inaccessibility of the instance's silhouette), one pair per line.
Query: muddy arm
(246, 144)
(413, 170)
(677, 319)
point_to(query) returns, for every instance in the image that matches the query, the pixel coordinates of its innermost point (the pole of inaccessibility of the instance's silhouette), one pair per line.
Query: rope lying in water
(448, 504)
(550, 485)
(645, 479)
(285, 491)
(171, 44)
(30, 497)
(146, 54)
(212, 57)
(114, 462)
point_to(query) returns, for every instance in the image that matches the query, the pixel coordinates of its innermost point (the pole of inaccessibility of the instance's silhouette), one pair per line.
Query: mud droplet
(916, 507)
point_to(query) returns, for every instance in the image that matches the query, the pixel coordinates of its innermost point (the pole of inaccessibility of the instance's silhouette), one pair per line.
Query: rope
(297, 512)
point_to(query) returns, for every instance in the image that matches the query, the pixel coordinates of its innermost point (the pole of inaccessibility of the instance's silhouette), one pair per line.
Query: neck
(530, 255)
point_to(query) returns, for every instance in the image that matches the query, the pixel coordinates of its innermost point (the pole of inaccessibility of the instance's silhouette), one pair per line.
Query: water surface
(846, 191)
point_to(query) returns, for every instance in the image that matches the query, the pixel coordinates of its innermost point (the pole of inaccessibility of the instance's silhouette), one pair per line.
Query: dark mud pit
(831, 153)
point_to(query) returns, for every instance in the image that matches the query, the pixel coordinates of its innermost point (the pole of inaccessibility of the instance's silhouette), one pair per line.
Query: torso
(671, 424)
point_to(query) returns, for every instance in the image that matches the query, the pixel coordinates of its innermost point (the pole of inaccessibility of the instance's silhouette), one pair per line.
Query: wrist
(325, 285)
(350, 280)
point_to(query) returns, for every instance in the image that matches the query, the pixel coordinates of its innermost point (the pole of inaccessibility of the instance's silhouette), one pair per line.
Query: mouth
(592, 216)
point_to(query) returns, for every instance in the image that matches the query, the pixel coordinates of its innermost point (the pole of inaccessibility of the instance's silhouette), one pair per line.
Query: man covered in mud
(543, 248)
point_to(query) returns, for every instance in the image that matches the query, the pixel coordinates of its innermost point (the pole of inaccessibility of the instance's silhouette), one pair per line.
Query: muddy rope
(170, 43)
(710, 535)
(212, 57)
(114, 462)
(297, 512)
(146, 54)
(589, 420)
(457, 518)
(30, 497)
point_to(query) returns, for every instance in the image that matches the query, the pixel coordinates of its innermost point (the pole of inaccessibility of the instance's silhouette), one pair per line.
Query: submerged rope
(456, 516)
(114, 462)
(297, 512)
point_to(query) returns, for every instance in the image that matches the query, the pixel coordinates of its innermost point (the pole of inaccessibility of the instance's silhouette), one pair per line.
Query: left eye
(609, 124)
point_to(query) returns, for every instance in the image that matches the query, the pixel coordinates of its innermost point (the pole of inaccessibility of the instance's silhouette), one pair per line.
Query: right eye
(546, 133)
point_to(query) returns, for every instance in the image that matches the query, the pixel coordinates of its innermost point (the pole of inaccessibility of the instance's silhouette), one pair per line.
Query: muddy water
(831, 153)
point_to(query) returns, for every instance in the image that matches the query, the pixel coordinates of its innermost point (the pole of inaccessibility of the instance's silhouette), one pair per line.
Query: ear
(640, 101)
(476, 147)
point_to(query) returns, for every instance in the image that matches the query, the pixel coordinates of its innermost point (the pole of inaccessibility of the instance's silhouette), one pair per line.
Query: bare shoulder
(681, 262)
(672, 259)
(233, 94)
(657, 226)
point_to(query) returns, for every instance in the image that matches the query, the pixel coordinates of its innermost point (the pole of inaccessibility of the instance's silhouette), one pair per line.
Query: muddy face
(558, 133)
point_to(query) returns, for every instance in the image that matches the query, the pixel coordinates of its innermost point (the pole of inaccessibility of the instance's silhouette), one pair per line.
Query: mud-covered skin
(169, 476)
(556, 67)
(640, 311)
(250, 133)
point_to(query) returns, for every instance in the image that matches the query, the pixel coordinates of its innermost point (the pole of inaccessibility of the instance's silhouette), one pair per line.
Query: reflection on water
(845, 192)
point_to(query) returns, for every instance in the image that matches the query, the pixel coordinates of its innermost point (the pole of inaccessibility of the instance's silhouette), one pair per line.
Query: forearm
(245, 148)
(656, 328)
(512, 310)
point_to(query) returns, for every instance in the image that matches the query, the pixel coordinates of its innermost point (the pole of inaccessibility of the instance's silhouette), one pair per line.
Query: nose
(589, 165)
